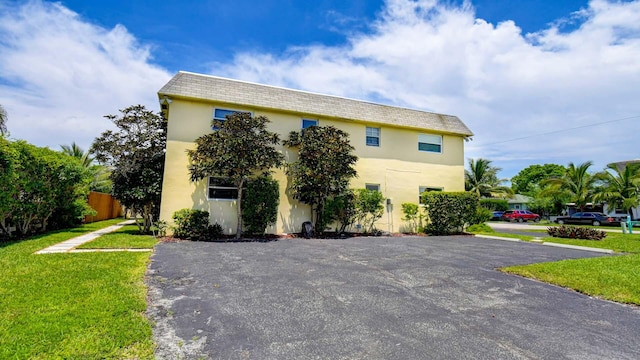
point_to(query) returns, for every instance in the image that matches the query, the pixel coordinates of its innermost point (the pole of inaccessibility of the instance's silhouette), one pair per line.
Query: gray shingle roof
(205, 87)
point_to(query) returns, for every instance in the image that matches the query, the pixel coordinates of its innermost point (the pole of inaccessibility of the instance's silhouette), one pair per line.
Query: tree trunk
(239, 229)
(6, 228)
(319, 225)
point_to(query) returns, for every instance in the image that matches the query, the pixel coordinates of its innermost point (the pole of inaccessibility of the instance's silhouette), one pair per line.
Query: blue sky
(537, 81)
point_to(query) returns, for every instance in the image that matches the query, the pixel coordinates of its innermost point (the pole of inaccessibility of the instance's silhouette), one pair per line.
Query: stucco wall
(397, 166)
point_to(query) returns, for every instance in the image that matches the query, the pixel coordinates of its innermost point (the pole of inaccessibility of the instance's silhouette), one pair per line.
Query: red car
(520, 216)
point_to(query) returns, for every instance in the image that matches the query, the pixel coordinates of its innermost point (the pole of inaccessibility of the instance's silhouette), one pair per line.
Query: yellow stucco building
(401, 152)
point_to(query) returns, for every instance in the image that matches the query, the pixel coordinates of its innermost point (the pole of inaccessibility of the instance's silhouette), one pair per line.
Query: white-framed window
(309, 122)
(373, 136)
(372, 187)
(221, 189)
(422, 189)
(221, 115)
(430, 143)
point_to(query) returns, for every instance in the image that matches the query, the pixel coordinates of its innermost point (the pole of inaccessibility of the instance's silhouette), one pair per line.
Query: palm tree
(577, 184)
(3, 121)
(101, 181)
(76, 151)
(620, 188)
(482, 179)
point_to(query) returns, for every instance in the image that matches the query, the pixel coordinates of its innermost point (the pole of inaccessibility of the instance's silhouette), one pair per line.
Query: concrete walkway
(69, 246)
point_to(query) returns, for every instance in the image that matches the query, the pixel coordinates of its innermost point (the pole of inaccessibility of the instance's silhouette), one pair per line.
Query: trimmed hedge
(260, 204)
(495, 204)
(576, 233)
(449, 212)
(194, 225)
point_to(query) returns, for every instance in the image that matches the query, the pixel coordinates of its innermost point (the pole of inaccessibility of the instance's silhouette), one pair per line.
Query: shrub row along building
(402, 152)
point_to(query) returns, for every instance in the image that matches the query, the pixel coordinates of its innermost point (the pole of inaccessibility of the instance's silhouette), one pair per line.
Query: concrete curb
(576, 247)
(498, 238)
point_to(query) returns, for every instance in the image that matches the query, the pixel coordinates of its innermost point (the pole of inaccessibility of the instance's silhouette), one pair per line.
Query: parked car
(497, 215)
(520, 216)
(588, 218)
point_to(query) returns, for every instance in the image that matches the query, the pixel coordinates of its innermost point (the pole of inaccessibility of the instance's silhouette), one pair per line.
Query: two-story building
(402, 152)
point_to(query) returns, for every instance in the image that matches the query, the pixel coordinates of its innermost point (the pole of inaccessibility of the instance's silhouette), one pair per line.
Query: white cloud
(502, 83)
(60, 74)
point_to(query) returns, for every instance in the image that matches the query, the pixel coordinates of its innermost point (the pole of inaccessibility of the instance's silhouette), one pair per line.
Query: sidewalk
(69, 246)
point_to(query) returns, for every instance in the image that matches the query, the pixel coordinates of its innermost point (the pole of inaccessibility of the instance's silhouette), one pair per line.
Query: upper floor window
(221, 115)
(372, 187)
(373, 136)
(308, 123)
(422, 189)
(430, 143)
(221, 189)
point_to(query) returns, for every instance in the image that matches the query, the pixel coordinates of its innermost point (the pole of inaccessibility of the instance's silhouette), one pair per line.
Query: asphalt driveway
(376, 298)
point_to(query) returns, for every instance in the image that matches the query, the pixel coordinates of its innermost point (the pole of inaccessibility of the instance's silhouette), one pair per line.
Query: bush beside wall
(449, 212)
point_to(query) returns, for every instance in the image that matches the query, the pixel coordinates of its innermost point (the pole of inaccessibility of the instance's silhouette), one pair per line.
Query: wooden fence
(105, 205)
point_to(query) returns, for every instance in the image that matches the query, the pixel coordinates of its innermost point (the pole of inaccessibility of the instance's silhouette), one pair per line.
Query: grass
(72, 306)
(627, 243)
(123, 238)
(613, 278)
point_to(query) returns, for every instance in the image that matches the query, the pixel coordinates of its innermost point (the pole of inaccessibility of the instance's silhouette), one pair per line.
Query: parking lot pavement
(376, 298)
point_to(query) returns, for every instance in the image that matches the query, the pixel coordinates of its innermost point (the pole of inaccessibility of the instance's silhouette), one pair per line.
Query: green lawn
(122, 239)
(627, 243)
(72, 306)
(613, 278)
(618, 242)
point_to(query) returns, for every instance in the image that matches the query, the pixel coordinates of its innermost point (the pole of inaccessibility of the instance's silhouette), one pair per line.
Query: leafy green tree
(8, 177)
(482, 179)
(260, 204)
(495, 204)
(49, 185)
(577, 185)
(369, 208)
(242, 148)
(528, 178)
(135, 153)
(545, 202)
(620, 187)
(324, 167)
(3, 121)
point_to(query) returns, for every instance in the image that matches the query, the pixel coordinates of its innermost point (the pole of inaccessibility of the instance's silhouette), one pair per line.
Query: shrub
(341, 209)
(482, 216)
(495, 204)
(260, 204)
(449, 212)
(476, 228)
(191, 224)
(214, 232)
(576, 232)
(369, 208)
(411, 214)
